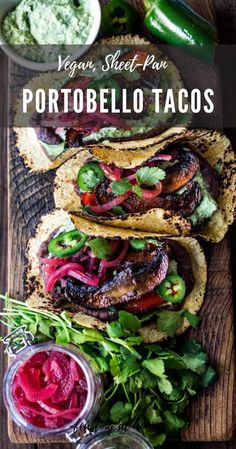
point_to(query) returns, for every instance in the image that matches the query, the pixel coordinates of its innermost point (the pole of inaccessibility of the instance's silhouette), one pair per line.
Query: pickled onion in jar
(49, 390)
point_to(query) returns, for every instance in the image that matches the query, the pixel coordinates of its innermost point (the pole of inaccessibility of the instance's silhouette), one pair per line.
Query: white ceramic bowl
(9, 5)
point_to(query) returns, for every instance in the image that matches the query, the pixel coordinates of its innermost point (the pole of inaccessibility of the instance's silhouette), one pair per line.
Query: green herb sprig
(148, 176)
(146, 386)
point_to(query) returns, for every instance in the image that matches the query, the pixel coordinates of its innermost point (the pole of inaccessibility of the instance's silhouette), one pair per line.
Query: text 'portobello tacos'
(95, 272)
(46, 140)
(183, 185)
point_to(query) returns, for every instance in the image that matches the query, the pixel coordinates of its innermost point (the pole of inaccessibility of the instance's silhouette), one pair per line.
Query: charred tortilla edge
(34, 288)
(212, 145)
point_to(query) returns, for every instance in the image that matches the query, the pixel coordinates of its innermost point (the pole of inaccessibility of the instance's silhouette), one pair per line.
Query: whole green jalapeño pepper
(67, 243)
(174, 22)
(119, 17)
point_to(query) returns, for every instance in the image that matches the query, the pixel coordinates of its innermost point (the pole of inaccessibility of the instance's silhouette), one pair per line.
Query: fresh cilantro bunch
(146, 386)
(148, 176)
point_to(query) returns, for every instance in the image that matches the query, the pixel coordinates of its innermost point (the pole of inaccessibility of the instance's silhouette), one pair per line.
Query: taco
(45, 141)
(95, 271)
(181, 186)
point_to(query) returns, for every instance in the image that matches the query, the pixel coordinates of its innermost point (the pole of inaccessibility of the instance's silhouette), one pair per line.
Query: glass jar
(114, 438)
(93, 399)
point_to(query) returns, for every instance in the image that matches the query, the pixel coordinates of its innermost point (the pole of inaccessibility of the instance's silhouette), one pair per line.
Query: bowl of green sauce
(34, 33)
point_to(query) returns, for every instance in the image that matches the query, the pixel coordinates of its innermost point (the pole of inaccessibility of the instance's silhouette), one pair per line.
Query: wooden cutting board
(30, 195)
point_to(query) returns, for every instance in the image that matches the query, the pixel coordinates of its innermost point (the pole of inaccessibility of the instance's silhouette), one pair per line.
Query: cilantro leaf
(155, 438)
(102, 364)
(114, 366)
(90, 178)
(100, 247)
(120, 412)
(120, 187)
(134, 341)
(191, 347)
(129, 321)
(137, 190)
(157, 367)
(174, 421)
(170, 321)
(93, 335)
(138, 244)
(153, 414)
(193, 319)
(147, 379)
(118, 210)
(187, 379)
(196, 362)
(126, 368)
(165, 385)
(150, 175)
(44, 327)
(114, 329)
(62, 336)
(208, 377)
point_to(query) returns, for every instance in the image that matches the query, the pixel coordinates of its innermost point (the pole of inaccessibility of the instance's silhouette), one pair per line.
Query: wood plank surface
(213, 412)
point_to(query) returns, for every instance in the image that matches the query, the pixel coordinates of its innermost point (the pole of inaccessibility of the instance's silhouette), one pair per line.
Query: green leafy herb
(114, 329)
(170, 321)
(147, 387)
(100, 247)
(174, 422)
(156, 439)
(120, 187)
(138, 244)
(129, 321)
(145, 175)
(120, 412)
(153, 414)
(150, 175)
(208, 377)
(196, 362)
(192, 319)
(118, 210)
(157, 367)
(90, 178)
(137, 189)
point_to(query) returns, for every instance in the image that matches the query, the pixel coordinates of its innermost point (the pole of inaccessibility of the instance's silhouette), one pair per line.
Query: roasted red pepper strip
(88, 199)
(146, 302)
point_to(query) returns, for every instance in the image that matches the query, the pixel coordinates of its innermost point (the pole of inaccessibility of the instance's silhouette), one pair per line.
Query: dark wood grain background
(226, 19)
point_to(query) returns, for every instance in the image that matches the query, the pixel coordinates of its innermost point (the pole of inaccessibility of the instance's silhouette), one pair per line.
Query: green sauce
(208, 205)
(53, 25)
(53, 150)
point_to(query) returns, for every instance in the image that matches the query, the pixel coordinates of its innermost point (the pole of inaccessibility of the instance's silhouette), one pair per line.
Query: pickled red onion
(112, 173)
(63, 413)
(162, 157)
(113, 203)
(146, 193)
(118, 260)
(54, 261)
(59, 273)
(87, 279)
(49, 389)
(32, 394)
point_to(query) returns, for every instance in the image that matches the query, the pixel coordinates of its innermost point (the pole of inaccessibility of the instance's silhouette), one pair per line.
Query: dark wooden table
(226, 19)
